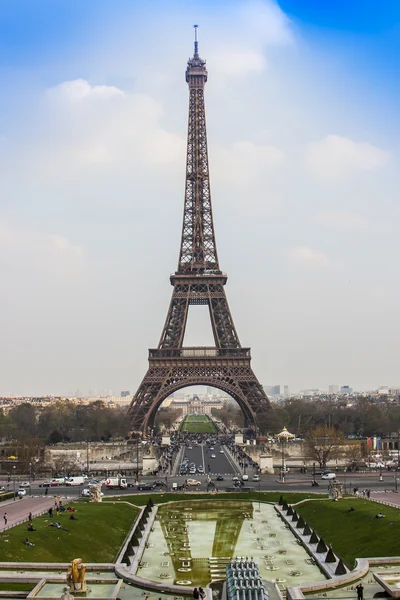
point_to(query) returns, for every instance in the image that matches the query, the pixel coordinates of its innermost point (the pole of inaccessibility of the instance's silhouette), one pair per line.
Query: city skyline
(304, 163)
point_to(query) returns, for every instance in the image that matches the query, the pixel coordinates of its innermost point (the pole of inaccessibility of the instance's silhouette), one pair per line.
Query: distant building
(346, 389)
(383, 390)
(286, 391)
(125, 393)
(197, 406)
(272, 390)
(333, 389)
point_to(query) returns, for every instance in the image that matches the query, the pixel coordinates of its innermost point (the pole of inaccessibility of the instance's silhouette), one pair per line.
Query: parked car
(21, 492)
(328, 476)
(145, 486)
(193, 482)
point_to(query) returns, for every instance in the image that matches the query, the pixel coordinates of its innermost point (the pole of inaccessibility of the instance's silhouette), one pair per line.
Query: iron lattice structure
(198, 280)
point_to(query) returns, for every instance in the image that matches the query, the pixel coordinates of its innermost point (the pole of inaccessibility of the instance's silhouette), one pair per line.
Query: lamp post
(14, 474)
(283, 437)
(87, 458)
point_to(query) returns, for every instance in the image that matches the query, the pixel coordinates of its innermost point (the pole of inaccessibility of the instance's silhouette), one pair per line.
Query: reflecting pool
(192, 541)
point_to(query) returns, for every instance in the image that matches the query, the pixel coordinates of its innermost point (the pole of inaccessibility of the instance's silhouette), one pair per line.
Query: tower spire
(196, 43)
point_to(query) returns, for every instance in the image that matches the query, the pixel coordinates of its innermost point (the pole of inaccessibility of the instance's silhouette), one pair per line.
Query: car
(94, 482)
(328, 476)
(213, 456)
(2, 488)
(221, 452)
(159, 483)
(220, 478)
(145, 486)
(21, 492)
(86, 493)
(211, 448)
(193, 482)
(235, 478)
(256, 478)
(245, 477)
(25, 484)
(45, 484)
(189, 447)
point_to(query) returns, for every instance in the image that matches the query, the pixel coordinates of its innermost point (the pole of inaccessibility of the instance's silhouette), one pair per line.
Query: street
(294, 482)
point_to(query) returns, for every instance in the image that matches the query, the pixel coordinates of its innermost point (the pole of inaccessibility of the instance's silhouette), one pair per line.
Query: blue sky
(302, 108)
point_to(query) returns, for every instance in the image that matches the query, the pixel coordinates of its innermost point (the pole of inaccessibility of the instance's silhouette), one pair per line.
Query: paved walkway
(389, 497)
(19, 510)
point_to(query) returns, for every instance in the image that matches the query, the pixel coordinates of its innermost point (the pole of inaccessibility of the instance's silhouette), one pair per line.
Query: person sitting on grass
(379, 516)
(73, 517)
(27, 542)
(31, 527)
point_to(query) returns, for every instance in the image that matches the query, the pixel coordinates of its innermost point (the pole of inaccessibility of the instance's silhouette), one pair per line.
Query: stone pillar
(238, 438)
(150, 463)
(266, 463)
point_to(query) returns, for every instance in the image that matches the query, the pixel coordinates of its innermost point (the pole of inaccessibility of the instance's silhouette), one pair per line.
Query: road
(222, 464)
(293, 482)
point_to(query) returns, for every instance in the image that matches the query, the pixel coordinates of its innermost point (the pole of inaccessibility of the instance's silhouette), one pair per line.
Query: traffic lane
(220, 464)
(195, 455)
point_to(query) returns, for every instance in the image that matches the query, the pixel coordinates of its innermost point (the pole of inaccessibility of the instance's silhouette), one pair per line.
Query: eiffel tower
(198, 280)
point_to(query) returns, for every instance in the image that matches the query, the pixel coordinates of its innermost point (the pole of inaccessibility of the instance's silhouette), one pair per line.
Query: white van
(76, 480)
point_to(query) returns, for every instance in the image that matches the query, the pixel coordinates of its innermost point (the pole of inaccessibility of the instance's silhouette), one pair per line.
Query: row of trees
(67, 421)
(64, 421)
(364, 418)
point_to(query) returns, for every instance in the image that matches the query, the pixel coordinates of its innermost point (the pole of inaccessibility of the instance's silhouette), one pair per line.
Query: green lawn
(142, 499)
(96, 536)
(355, 534)
(17, 586)
(197, 424)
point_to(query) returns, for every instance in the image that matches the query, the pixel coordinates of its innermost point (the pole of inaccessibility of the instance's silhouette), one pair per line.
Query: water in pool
(191, 543)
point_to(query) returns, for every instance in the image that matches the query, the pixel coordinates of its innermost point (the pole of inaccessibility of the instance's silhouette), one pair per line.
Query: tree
(323, 444)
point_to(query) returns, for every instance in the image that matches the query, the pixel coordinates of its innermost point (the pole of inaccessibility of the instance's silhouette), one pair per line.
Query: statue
(95, 493)
(76, 576)
(335, 490)
(66, 595)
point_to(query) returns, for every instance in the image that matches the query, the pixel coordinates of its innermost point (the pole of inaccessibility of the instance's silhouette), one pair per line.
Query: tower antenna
(196, 43)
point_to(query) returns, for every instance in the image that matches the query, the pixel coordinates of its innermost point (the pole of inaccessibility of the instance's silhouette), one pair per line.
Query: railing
(199, 352)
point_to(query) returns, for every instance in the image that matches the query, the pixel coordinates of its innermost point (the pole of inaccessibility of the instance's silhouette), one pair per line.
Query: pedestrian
(360, 591)
(368, 494)
(202, 593)
(5, 518)
(30, 517)
(196, 595)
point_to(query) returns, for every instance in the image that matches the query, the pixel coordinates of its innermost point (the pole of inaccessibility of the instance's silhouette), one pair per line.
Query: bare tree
(323, 444)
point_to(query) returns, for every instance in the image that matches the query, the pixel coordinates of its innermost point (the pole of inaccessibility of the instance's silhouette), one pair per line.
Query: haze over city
(302, 115)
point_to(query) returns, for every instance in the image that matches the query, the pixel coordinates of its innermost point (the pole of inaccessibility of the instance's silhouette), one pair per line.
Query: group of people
(198, 593)
(364, 493)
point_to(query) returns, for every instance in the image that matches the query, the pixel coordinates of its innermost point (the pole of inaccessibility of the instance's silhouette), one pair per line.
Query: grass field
(354, 534)
(197, 424)
(17, 586)
(96, 536)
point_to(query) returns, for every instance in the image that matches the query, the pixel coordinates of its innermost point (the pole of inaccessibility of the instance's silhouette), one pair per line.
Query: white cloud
(236, 62)
(246, 162)
(334, 157)
(30, 256)
(89, 126)
(267, 22)
(307, 256)
(80, 89)
(346, 221)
